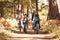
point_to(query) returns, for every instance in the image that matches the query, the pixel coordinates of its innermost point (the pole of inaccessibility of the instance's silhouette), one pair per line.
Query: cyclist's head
(34, 11)
(36, 14)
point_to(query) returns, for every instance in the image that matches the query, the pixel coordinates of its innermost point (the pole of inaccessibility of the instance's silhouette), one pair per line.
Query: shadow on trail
(29, 32)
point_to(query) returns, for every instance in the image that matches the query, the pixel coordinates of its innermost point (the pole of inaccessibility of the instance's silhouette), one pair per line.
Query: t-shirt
(36, 19)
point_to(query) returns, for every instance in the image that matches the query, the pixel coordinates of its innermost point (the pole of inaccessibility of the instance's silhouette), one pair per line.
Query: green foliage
(33, 1)
(8, 8)
(6, 13)
(51, 28)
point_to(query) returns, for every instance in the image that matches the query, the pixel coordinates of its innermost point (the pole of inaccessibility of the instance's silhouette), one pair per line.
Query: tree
(37, 6)
(1, 8)
(53, 9)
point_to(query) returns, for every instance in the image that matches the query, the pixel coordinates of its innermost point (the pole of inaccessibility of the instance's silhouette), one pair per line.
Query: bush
(3, 33)
(52, 27)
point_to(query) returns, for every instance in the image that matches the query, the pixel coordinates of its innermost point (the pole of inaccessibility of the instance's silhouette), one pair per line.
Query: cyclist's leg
(19, 25)
(33, 25)
(25, 27)
(39, 25)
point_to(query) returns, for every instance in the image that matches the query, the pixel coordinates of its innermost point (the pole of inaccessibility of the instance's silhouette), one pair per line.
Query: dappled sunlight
(29, 19)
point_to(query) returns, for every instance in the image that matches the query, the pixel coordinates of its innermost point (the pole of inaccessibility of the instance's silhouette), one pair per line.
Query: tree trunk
(37, 6)
(18, 7)
(21, 3)
(53, 10)
(1, 9)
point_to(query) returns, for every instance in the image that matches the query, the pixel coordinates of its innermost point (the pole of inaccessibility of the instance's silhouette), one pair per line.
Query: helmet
(34, 11)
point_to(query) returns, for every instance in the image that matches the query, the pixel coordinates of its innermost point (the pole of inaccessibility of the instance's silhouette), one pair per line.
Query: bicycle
(36, 28)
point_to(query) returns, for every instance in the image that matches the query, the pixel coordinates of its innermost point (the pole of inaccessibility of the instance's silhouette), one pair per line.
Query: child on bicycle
(25, 22)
